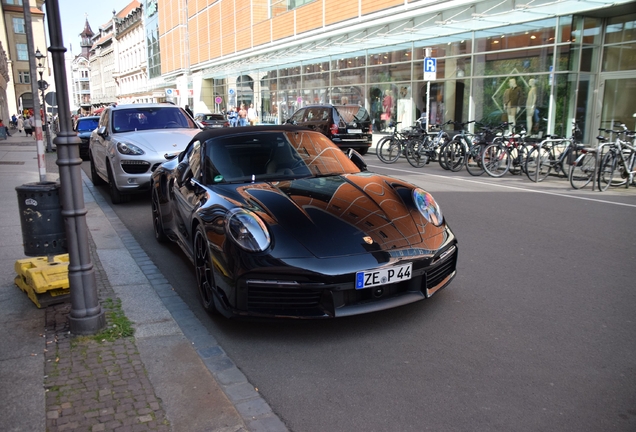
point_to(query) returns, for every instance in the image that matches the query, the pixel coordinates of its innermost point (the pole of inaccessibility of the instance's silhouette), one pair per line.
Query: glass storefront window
(619, 58)
(565, 29)
(347, 95)
(586, 30)
(564, 55)
(388, 73)
(348, 76)
(621, 29)
(289, 71)
(286, 83)
(395, 56)
(457, 67)
(353, 61)
(514, 62)
(313, 80)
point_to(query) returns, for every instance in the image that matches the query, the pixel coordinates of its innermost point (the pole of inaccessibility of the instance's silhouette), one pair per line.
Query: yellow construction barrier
(44, 281)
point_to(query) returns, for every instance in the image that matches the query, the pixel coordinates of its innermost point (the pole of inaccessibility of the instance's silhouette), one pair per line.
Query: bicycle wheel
(518, 159)
(606, 171)
(440, 157)
(582, 170)
(389, 150)
(496, 160)
(416, 153)
(538, 158)
(473, 160)
(455, 155)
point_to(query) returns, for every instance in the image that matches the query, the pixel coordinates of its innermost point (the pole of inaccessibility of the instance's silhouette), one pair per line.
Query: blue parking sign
(430, 68)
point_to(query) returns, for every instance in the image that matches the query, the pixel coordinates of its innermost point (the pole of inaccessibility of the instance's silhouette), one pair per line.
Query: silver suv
(132, 140)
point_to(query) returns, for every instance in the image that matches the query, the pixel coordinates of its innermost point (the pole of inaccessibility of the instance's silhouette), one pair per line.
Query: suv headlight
(129, 149)
(427, 206)
(247, 230)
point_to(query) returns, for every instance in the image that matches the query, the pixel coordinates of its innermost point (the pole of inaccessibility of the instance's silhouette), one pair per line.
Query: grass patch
(117, 325)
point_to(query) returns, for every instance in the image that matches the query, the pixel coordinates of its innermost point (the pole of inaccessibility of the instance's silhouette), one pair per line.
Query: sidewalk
(170, 376)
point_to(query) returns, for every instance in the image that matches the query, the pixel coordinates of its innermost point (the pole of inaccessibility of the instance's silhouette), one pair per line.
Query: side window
(103, 120)
(194, 160)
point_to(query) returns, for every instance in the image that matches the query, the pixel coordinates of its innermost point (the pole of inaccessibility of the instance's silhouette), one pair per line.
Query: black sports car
(279, 222)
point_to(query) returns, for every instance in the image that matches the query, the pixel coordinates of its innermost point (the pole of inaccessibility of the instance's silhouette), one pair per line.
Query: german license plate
(354, 130)
(383, 276)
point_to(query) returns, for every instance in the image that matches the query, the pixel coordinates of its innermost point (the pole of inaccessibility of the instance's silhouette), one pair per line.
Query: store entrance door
(616, 101)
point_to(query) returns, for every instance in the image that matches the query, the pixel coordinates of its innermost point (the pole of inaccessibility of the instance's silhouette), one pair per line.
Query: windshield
(349, 113)
(87, 125)
(274, 156)
(163, 117)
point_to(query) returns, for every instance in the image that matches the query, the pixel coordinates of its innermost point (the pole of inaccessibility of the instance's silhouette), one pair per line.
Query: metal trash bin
(43, 229)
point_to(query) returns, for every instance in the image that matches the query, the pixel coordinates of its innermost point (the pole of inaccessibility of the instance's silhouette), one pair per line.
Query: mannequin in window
(387, 105)
(511, 100)
(531, 104)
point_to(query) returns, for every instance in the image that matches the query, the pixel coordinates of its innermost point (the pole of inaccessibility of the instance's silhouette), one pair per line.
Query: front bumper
(304, 298)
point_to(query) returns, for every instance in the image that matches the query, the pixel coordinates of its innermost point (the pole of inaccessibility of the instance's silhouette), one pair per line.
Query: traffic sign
(430, 69)
(218, 100)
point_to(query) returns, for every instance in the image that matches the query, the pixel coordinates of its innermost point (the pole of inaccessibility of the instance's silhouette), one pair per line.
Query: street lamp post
(43, 85)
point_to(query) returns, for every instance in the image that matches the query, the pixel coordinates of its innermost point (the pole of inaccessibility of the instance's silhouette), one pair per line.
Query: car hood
(159, 140)
(343, 215)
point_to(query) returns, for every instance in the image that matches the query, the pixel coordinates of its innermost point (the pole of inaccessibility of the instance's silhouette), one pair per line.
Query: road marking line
(506, 186)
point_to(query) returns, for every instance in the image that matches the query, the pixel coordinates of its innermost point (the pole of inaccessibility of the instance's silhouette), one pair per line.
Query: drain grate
(11, 163)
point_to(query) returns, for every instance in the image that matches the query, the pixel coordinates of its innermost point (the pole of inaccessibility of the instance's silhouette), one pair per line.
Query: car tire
(363, 150)
(204, 270)
(160, 234)
(116, 196)
(95, 178)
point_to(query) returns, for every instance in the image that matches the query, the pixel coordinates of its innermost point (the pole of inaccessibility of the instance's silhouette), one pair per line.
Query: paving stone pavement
(96, 386)
(170, 376)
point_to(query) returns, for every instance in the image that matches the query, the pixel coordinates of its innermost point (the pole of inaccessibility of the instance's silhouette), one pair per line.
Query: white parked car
(131, 141)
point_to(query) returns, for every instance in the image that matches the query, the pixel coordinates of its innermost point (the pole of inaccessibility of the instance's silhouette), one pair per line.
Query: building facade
(102, 66)
(131, 62)
(16, 93)
(566, 60)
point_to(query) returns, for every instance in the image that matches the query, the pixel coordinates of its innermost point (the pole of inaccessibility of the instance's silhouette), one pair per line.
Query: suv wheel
(115, 194)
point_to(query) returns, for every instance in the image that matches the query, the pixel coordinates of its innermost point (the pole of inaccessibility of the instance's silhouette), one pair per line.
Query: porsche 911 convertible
(279, 222)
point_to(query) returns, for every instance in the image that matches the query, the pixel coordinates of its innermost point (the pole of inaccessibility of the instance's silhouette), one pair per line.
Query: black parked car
(209, 121)
(279, 222)
(84, 126)
(348, 126)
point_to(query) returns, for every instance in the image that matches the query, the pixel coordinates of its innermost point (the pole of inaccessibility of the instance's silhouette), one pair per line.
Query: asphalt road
(536, 333)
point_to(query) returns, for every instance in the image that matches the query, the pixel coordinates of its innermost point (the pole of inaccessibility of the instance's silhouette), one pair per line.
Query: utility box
(43, 229)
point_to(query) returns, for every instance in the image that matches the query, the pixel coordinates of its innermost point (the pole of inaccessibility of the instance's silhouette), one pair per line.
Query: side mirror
(357, 159)
(290, 121)
(101, 131)
(183, 173)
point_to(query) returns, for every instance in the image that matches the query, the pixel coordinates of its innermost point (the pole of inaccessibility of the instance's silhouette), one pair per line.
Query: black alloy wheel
(204, 271)
(157, 225)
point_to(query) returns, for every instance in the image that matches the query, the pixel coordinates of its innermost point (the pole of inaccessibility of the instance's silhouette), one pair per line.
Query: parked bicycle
(507, 153)
(617, 165)
(552, 155)
(390, 148)
(453, 154)
(421, 152)
(583, 169)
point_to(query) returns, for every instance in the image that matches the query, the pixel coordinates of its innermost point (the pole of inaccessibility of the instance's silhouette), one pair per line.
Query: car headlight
(427, 206)
(129, 149)
(247, 230)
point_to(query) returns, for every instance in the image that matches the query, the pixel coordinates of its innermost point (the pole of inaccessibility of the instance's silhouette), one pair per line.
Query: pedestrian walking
(242, 116)
(20, 123)
(252, 115)
(232, 116)
(28, 126)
